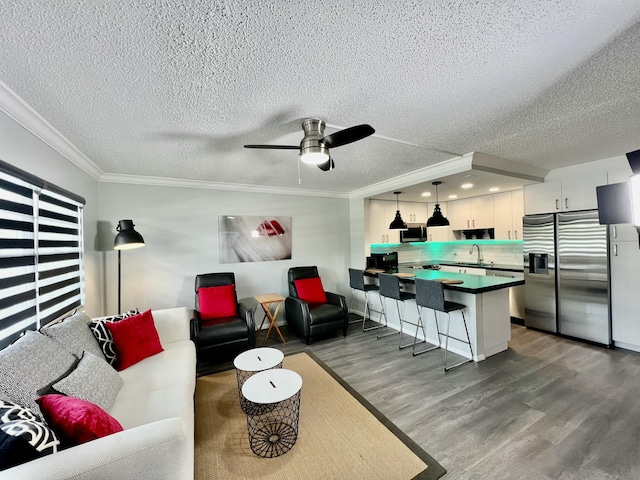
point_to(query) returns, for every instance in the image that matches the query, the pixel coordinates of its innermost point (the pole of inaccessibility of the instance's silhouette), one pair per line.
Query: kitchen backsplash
(500, 252)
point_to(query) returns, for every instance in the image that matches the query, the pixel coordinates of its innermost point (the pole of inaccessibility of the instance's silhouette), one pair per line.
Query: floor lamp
(126, 239)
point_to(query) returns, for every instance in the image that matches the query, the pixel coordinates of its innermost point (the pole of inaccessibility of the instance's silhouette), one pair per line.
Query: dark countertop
(488, 266)
(472, 283)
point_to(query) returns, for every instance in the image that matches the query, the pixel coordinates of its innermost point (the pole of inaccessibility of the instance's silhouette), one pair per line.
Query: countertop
(471, 283)
(488, 266)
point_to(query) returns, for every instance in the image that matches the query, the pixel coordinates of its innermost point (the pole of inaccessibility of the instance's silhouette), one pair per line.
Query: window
(41, 263)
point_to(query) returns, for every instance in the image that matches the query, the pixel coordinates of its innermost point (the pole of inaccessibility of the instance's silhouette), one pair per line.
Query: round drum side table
(273, 431)
(249, 363)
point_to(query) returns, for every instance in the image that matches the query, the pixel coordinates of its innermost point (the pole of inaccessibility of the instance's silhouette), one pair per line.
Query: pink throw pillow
(76, 420)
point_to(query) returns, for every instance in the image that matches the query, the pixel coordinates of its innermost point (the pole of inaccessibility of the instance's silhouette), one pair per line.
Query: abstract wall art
(247, 238)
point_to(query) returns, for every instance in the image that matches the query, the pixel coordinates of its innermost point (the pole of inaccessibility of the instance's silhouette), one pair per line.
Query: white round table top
(272, 386)
(258, 359)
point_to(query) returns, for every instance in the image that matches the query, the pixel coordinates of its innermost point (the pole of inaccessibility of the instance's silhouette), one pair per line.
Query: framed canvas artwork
(247, 238)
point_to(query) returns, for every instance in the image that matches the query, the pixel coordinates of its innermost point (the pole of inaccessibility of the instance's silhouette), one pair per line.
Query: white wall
(180, 229)
(24, 150)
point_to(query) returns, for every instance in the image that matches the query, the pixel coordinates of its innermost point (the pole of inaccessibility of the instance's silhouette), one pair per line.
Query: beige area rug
(341, 435)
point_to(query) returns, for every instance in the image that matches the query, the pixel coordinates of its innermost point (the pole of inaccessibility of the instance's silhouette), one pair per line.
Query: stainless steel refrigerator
(566, 272)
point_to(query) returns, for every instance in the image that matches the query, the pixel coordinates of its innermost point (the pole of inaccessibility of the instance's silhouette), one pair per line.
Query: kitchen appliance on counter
(415, 232)
(385, 261)
(566, 272)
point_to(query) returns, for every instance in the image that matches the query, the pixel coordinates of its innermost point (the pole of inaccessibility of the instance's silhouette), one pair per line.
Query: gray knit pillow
(93, 380)
(30, 365)
(74, 334)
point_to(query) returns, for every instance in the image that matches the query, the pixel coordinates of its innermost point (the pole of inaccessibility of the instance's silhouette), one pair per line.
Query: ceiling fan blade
(275, 147)
(328, 165)
(348, 135)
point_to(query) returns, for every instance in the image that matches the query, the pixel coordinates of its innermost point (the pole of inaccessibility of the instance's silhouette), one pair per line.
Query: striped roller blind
(41, 263)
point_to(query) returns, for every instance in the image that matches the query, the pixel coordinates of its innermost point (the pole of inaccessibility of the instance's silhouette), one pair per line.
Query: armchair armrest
(336, 299)
(296, 312)
(246, 313)
(194, 326)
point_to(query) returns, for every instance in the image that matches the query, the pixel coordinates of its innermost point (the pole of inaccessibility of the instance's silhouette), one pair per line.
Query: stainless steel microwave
(416, 232)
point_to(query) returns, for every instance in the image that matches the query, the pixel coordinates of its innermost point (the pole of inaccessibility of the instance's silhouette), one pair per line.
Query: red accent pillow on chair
(310, 290)
(217, 302)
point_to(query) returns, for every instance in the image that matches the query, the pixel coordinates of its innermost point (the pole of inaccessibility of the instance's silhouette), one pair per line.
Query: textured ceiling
(176, 88)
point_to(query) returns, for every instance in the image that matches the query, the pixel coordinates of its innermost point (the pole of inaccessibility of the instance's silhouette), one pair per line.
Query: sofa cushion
(217, 302)
(310, 290)
(74, 334)
(30, 365)
(135, 338)
(23, 436)
(103, 337)
(93, 380)
(76, 420)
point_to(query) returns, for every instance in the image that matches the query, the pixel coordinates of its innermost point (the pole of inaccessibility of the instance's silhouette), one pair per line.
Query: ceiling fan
(314, 147)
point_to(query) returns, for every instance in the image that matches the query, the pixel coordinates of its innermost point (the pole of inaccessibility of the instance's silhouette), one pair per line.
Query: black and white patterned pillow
(103, 336)
(23, 436)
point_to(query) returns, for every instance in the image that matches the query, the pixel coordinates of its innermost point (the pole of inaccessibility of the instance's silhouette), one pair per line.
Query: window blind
(41, 253)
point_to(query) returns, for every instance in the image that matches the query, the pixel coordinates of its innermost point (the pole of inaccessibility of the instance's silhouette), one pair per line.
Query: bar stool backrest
(389, 286)
(356, 278)
(430, 294)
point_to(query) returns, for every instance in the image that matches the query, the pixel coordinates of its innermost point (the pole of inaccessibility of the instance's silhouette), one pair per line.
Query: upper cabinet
(438, 234)
(563, 195)
(471, 213)
(508, 212)
(381, 214)
(413, 212)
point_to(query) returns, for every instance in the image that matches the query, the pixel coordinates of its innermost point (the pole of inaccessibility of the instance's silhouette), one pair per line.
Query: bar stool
(390, 288)
(423, 296)
(356, 280)
(430, 294)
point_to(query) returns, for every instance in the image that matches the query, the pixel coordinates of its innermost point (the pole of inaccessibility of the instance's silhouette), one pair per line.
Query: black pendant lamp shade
(398, 223)
(127, 238)
(437, 219)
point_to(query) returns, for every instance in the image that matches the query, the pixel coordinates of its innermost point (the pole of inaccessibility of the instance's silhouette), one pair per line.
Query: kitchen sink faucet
(479, 255)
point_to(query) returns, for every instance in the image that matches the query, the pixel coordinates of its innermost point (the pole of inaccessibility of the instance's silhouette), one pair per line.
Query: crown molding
(232, 187)
(23, 114)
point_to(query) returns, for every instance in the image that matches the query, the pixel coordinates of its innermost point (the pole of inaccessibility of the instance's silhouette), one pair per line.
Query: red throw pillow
(76, 420)
(134, 338)
(217, 302)
(310, 290)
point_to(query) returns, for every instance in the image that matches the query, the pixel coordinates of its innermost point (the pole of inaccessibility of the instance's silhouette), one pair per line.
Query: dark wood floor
(548, 408)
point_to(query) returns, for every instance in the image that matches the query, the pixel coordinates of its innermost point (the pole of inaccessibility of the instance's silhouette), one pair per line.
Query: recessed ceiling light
(426, 194)
(466, 185)
(494, 189)
(453, 196)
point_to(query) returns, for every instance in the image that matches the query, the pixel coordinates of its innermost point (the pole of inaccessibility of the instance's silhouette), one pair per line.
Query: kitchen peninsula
(487, 312)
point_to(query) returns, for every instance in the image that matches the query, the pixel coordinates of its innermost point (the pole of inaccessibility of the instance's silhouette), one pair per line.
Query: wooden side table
(266, 300)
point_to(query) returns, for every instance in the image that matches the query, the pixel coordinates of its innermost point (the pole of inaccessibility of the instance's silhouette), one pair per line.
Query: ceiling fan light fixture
(314, 155)
(397, 223)
(437, 219)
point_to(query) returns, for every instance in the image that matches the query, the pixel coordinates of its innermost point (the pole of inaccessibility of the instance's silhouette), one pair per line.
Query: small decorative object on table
(249, 363)
(276, 395)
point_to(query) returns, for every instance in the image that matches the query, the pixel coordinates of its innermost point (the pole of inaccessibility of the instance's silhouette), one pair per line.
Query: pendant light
(398, 223)
(437, 219)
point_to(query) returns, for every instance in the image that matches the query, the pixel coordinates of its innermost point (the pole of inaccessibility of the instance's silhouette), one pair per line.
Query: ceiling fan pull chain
(299, 170)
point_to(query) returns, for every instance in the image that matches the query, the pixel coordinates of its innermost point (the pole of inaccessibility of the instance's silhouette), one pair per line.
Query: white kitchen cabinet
(467, 270)
(623, 232)
(413, 212)
(438, 234)
(625, 303)
(471, 213)
(508, 212)
(564, 195)
(381, 214)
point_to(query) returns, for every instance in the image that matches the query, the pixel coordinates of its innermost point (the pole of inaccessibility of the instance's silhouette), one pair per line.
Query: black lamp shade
(398, 223)
(437, 219)
(127, 238)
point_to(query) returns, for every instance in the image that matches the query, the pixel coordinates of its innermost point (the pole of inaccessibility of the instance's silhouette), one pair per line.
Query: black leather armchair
(219, 339)
(311, 319)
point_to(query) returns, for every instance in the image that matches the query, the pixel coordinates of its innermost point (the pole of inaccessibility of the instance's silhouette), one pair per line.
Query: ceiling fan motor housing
(311, 145)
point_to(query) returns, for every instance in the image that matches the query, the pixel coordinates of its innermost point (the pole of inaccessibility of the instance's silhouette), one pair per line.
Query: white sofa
(154, 406)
